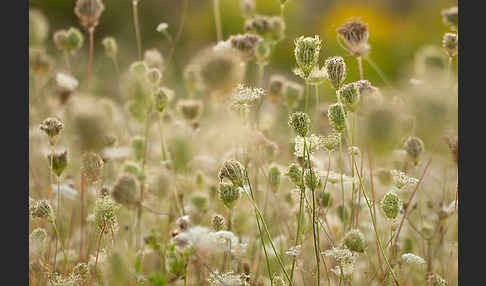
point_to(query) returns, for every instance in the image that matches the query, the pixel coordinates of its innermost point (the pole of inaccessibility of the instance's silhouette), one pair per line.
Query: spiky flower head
(218, 222)
(161, 98)
(92, 166)
(450, 43)
(336, 71)
(294, 172)
(414, 147)
(153, 58)
(42, 210)
(355, 35)
(190, 109)
(331, 142)
(349, 95)
(111, 47)
(125, 190)
(274, 174)
(233, 171)
(53, 127)
(307, 53)
(89, 12)
(312, 178)
(450, 17)
(300, 123)
(354, 241)
(245, 44)
(337, 117)
(292, 93)
(59, 161)
(105, 211)
(391, 205)
(229, 194)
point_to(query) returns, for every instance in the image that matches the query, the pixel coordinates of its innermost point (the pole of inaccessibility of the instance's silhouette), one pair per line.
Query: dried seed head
(246, 44)
(349, 95)
(89, 12)
(414, 147)
(435, 280)
(355, 35)
(38, 27)
(190, 109)
(104, 212)
(162, 97)
(449, 43)
(59, 161)
(111, 47)
(337, 117)
(312, 179)
(274, 175)
(72, 41)
(270, 28)
(307, 53)
(233, 171)
(294, 172)
(92, 166)
(153, 58)
(336, 71)
(354, 241)
(125, 190)
(53, 127)
(292, 93)
(300, 123)
(450, 17)
(38, 236)
(229, 194)
(217, 222)
(391, 205)
(42, 209)
(365, 88)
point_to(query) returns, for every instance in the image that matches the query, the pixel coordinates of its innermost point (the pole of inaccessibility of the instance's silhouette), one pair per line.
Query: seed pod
(414, 147)
(391, 205)
(331, 142)
(125, 190)
(89, 12)
(300, 123)
(218, 222)
(92, 166)
(81, 272)
(229, 194)
(294, 172)
(307, 53)
(190, 109)
(337, 117)
(349, 95)
(354, 241)
(246, 44)
(73, 40)
(336, 71)
(59, 161)
(111, 47)
(233, 171)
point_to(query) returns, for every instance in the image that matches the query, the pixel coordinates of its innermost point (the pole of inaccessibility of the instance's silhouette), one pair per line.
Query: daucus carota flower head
(80, 272)
(228, 278)
(245, 97)
(341, 255)
(354, 241)
(355, 35)
(218, 222)
(365, 88)
(92, 166)
(245, 44)
(105, 211)
(270, 28)
(59, 161)
(391, 205)
(400, 179)
(42, 210)
(53, 127)
(161, 98)
(312, 179)
(111, 47)
(229, 194)
(414, 147)
(450, 43)
(307, 53)
(234, 171)
(337, 117)
(68, 40)
(336, 71)
(125, 190)
(300, 123)
(89, 12)
(294, 173)
(450, 16)
(349, 95)
(411, 258)
(66, 82)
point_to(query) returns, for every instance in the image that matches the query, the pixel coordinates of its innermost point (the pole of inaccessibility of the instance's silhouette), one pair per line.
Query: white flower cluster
(294, 251)
(345, 258)
(228, 278)
(400, 179)
(313, 143)
(411, 258)
(245, 97)
(66, 81)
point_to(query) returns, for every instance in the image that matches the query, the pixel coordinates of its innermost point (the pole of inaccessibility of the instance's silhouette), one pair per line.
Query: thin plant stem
(314, 230)
(99, 245)
(82, 223)
(306, 107)
(91, 50)
(137, 28)
(179, 31)
(68, 62)
(162, 141)
(360, 66)
(217, 19)
(378, 71)
(341, 162)
(57, 216)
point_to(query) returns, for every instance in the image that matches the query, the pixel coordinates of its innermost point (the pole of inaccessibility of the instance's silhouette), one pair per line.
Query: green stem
(314, 230)
(55, 227)
(342, 183)
(378, 71)
(137, 28)
(360, 66)
(162, 143)
(306, 97)
(91, 51)
(217, 19)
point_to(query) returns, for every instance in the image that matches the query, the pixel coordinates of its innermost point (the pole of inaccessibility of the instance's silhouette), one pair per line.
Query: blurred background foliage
(397, 29)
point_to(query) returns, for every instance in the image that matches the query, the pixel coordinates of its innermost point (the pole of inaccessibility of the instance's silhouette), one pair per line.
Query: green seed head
(331, 142)
(354, 241)
(337, 117)
(59, 161)
(294, 172)
(307, 53)
(336, 71)
(89, 12)
(349, 95)
(312, 179)
(162, 97)
(104, 211)
(300, 123)
(42, 210)
(229, 194)
(274, 175)
(154, 76)
(391, 205)
(233, 171)
(73, 40)
(111, 47)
